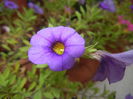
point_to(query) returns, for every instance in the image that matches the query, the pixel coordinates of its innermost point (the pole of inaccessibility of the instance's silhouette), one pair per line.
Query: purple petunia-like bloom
(108, 5)
(10, 4)
(36, 8)
(56, 46)
(129, 96)
(112, 66)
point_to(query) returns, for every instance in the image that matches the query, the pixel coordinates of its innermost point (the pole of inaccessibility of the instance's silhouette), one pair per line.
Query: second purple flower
(113, 66)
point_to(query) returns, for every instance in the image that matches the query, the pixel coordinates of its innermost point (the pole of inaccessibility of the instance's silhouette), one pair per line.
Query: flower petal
(38, 40)
(129, 96)
(68, 61)
(116, 69)
(67, 32)
(47, 34)
(57, 32)
(108, 5)
(75, 51)
(38, 55)
(125, 57)
(60, 62)
(101, 74)
(110, 67)
(37, 9)
(75, 39)
(10, 4)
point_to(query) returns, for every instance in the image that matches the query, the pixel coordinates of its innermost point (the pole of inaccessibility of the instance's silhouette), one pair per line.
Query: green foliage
(58, 5)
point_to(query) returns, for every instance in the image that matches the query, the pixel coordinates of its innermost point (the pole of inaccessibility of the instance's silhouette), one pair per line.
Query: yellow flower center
(58, 48)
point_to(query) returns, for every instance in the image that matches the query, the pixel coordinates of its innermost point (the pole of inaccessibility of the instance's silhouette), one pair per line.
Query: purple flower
(35, 7)
(112, 66)
(10, 4)
(108, 5)
(82, 2)
(56, 46)
(129, 97)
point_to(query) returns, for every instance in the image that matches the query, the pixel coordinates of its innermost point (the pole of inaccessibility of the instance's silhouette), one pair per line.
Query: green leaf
(18, 97)
(82, 35)
(42, 66)
(111, 95)
(22, 83)
(6, 73)
(38, 95)
(50, 25)
(82, 11)
(6, 47)
(24, 49)
(26, 42)
(56, 92)
(78, 15)
(52, 93)
(33, 85)
(48, 95)
(17, 66)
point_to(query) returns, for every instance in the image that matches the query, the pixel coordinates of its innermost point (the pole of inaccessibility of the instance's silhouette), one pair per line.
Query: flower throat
(58, 48)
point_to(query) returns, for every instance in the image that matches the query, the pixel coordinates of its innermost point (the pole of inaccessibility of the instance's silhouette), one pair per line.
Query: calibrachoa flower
(56, 46)
(112, 66)
(36, 8)
(108, 5)
(129, 97)
(10, 4)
